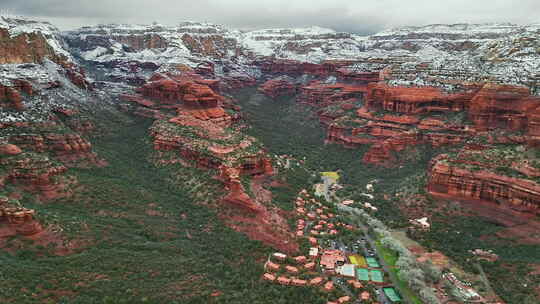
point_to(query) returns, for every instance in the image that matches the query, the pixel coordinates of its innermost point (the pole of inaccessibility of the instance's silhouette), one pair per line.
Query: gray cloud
(358, 16)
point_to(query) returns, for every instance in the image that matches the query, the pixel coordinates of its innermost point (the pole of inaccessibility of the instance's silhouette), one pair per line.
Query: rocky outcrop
(25, 48)
(200, 133)
(237, 193)
(187, 93)
(17, 220)
(278, 87)
(394, 118)
(71, 149)
(296, 68)
(10, 98)
(320, 94)
(505, 107)
(473, 180)
(35, 173)
(415, 100)
(76, 75)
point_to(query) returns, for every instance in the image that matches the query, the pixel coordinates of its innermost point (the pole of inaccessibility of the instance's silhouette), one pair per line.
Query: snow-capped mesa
(23, 26)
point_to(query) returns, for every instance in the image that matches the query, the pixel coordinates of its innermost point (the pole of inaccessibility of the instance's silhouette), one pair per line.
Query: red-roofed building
(272, 266)
(344, 299)
(300, 259)
(313, 241)
(329, 286)
(316, 281)
(309, 266)
(355, 284)
(331, 258)
(291, 269)
(269, 277)
(298, 282)
(284, 281)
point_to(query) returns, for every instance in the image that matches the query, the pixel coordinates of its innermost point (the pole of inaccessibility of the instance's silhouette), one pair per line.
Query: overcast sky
(359, 16)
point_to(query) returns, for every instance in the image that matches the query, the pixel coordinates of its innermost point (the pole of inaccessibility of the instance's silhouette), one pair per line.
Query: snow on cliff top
(22, 25)
(306, 31)
(119, 29)
(459, 28)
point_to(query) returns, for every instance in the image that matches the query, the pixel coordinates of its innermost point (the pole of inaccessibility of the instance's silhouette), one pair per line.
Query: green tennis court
(362, 274)
(376, 276)
(372, 262)
(392, 294)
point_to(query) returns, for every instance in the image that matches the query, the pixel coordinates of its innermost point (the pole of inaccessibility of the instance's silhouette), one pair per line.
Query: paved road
(383, 263)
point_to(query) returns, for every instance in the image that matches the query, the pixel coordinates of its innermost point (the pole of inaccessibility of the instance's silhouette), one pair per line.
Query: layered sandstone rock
(415, 100)
(35, 173)
(71, 149)
(9, 150)
(394, 118)
(467, 179)
(76, 75)
(188, 93)
(317, 93)
(296, 68)
(25, 48)
(505, 107)
(17, 220)
(278, 87)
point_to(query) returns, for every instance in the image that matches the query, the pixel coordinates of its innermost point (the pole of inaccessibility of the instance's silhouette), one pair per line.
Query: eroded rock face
(505, 107)
(10, 97)
(321, 94)
(200, 132)
(415, 100)
(188, 93)
(394, 118)
(17, 220)
(278, 87)
(24, 48)
(35, 173)
(9, 149)
(468, 179)
(70, 149)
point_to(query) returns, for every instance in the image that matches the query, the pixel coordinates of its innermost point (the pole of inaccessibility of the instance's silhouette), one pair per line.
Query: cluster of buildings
(328, 268)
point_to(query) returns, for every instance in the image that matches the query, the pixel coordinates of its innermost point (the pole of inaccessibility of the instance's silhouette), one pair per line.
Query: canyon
(467, 94)
(381, 91)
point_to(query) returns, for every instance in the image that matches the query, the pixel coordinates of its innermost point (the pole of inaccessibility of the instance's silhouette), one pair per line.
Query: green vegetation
(389, 256)
(404, 288)
(285, 127)
(141, 234)
(509, 276)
